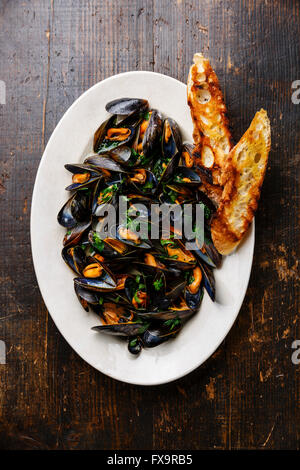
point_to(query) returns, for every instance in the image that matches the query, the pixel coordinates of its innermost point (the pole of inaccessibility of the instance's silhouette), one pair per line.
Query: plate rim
(34, 258)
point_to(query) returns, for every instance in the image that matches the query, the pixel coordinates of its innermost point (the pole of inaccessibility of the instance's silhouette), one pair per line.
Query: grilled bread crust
(242, 177)
(211, 132)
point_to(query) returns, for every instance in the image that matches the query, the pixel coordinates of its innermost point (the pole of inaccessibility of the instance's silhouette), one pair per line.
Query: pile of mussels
(142, 289)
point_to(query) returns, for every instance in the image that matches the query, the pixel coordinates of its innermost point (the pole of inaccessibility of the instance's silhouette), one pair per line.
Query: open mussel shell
(186, 176)
(212, 253)
(187, 158)
(208, 280)
(86, 297)
(103, 162)
(176, 255)
(143, 181)
(65, 216)
(176, 194)
(74, 235)
(129, 237)
(152, 135)
(171, 139)
(83, 176)
(193, 300)
(161, 297)
(75, 210)
(137, 292)
(75, 258)
(105, 193)
(101, 132)
(169, 293)
(209, 254)
(105, 282)
(156, 335)
(179, 309)
(108, 247)
(134, 198)
(163, 170)
(157, 291)
(124, 106)
(118, 297)
(121, 155)
(112, 135)
(151, 264)
(175, 291)
(193, 292)
(121, 329)
(126, 156)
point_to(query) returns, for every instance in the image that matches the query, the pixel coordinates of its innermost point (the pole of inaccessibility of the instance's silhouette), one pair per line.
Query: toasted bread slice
(211, 132)
(244, 174)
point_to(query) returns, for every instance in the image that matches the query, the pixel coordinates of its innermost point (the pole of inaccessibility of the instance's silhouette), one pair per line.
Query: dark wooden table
(246, 396)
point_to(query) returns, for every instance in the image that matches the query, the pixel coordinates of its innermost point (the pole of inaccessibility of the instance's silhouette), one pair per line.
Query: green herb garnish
(98, 242)
(158, 284)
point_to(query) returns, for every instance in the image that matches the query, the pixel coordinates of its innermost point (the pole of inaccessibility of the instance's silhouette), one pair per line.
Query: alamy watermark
(296, 93)
(296, 354)
(2, 352)
(141, 222)
(2, 92)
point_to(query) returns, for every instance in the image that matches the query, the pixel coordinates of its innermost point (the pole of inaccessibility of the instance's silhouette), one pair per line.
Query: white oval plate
(69, 143)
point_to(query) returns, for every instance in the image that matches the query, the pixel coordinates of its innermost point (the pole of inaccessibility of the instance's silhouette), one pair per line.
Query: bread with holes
(243, 177)
(208, 111)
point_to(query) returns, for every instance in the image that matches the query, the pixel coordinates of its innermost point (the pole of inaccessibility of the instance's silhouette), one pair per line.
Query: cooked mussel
(143, 181)
(86, 297)
(136, 290)
(164, 168)
(83, 176)
(171, 139)
(111, 135)
(186, 176)
(105, 193)
(176, 194)
(187, 158)
(152, 134)
(97, 277)
(111, 313)
(75, 234)
(75, 258)
(176, 255)
(122, 155)
(105, 163)
(130, 237)
(156, 335)
(158, 291)
(208, 280)
(135, 345)
(150, 263)
(101, 132)
(209, 254)
(109, 247)
(75, 210)
(193, 291)
(125, 106)
(119, 321)
(121, 329)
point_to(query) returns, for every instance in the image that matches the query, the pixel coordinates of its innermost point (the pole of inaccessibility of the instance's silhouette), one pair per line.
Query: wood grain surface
(246, 396)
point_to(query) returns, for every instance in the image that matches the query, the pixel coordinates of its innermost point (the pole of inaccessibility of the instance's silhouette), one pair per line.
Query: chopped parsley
(98, 242)
(158, 284)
